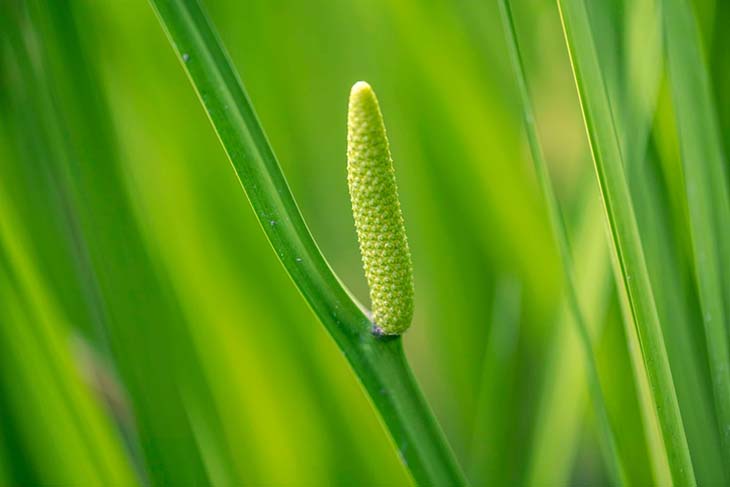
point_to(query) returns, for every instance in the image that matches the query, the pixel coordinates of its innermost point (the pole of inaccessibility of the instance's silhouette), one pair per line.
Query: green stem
(380, 364)
(384, 371)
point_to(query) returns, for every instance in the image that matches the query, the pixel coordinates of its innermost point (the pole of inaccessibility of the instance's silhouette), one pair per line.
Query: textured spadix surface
(378, 217)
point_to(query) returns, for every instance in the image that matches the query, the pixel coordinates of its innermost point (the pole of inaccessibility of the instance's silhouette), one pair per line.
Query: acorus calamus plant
(373, 347)
(145, 337)
(372, 344)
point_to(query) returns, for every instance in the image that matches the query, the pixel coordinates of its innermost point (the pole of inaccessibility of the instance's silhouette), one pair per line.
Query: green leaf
(563, 404)
(708, 199)
(54, 416)
(58, 112)
(627, 245)
(560, 234)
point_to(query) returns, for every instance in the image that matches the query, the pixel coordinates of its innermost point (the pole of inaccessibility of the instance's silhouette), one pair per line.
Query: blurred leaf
(560, 234)
(707, 197)
(624, 231)
(55, 419)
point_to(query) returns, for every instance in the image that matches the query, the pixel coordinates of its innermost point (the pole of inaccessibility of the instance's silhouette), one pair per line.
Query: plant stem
(421, 444)
(380, 364)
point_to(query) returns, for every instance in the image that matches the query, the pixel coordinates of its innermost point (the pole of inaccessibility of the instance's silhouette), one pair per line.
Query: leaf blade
(608, 162)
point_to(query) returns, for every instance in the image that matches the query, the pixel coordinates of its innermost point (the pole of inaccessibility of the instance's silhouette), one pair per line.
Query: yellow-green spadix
(378, 217)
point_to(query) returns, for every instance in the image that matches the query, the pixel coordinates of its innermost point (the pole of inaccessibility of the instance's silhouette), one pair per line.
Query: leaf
(627, 245)
(708, 199)
(560, 234)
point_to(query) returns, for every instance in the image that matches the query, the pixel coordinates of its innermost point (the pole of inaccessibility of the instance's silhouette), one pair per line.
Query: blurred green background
(148, 332)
